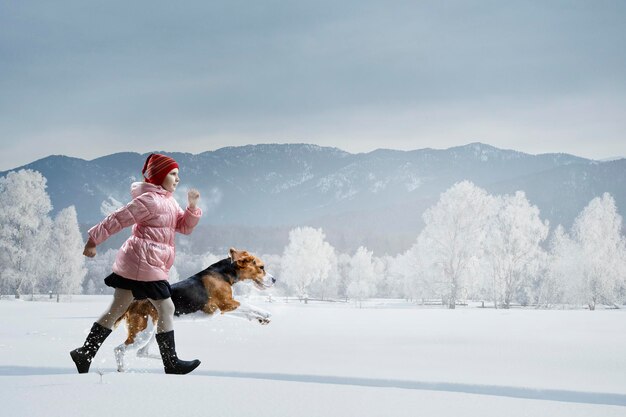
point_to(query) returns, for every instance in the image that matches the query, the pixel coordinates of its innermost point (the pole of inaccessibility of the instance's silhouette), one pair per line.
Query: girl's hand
(193, 196)
(90, 249)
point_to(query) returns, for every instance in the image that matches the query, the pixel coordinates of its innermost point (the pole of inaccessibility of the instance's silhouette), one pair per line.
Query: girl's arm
(136, 211)
(189, 218)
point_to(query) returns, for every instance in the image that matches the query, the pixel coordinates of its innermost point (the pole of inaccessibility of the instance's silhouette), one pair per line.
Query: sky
(88, 79)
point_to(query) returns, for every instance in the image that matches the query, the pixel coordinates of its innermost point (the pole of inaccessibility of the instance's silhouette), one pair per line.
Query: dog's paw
(262, 317)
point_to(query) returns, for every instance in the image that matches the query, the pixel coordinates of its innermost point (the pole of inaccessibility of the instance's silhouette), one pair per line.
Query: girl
(143, 262)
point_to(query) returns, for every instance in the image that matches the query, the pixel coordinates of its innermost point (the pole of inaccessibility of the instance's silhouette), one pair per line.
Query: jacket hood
(139, 188)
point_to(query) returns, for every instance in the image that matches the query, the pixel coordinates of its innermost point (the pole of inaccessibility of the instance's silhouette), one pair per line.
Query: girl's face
(171, 180)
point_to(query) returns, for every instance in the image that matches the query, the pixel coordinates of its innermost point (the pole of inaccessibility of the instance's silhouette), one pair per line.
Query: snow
(325, 359)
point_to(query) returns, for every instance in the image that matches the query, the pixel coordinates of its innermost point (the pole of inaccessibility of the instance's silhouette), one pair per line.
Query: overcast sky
(87, 79)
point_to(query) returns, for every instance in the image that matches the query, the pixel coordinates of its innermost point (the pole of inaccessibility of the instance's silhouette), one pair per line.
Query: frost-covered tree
(343, 266)
(188, 264)
(396, 274)
(98, 269)
(24, 231)
(452, 239)
(89, 287)
(512, 248)
(209, 258)
(66, 254)
(561, 262)
(407, 276)
(329, 287)
(601, 247)
(362, 275)
(308, 258)
(385, 282)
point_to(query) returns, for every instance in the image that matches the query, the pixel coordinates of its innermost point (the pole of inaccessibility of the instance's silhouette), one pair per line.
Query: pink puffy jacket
(149, 253)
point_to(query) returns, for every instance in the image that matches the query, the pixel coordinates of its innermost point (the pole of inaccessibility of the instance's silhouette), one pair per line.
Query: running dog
(207, 292)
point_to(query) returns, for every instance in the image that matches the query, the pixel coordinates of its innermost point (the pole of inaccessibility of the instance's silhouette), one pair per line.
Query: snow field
(325, 359)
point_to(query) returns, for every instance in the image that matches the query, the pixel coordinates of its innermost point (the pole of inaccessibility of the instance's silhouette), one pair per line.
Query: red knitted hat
(157, 167)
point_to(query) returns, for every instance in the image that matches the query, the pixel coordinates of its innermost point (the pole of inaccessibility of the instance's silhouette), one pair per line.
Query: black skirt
(155, 290)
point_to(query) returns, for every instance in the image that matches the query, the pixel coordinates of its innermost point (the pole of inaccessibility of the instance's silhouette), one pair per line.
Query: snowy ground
(325, 360)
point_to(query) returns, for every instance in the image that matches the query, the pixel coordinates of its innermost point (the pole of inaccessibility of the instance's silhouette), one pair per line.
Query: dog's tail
(121, 318)
(138, 307)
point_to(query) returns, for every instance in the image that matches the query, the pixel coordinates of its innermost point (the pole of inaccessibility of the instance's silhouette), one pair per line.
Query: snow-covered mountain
(374, 198)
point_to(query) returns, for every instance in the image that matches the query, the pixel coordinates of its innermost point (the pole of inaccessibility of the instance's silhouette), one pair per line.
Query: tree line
(474, 246)
(480, 247)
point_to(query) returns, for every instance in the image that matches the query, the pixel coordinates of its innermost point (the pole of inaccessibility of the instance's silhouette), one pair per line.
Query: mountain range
(253, 195)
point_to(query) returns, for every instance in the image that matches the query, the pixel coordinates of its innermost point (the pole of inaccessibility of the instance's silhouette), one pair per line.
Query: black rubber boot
(83, 355)
(171, 363)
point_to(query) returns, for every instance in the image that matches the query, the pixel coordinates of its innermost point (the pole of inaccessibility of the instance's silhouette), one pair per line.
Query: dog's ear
(240, 258)
(234, 255)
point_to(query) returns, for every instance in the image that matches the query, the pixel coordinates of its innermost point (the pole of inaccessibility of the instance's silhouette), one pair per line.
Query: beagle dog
(206, 292)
